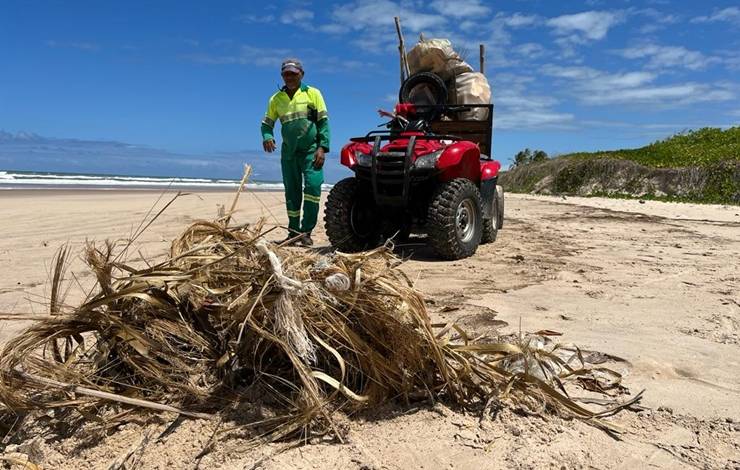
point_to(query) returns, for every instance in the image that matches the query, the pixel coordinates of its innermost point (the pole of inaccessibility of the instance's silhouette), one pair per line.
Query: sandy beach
(655, 285)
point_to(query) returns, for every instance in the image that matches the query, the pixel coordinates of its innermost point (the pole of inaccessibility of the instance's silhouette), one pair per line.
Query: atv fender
(489, 170)
(347, 155)
(460, 160)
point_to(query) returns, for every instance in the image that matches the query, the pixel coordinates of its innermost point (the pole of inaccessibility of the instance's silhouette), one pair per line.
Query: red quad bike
(430, 172)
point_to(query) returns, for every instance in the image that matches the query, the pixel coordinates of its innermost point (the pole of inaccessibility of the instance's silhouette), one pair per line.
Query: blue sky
(192, 78)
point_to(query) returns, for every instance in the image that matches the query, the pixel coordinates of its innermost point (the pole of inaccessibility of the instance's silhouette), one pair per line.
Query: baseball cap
(292, 65)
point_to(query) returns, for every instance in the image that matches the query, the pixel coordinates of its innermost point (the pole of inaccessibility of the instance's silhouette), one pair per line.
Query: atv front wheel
(455, 220)
(349, 218)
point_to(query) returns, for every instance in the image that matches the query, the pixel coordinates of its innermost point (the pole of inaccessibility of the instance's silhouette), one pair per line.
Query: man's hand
(268, 145)
(318, 158)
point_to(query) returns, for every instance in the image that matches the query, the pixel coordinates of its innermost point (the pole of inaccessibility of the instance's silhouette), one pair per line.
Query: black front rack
(390, 171)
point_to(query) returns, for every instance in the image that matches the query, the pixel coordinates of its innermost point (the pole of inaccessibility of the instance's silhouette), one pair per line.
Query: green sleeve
(323, 130)
(268, 122)
(322, 124)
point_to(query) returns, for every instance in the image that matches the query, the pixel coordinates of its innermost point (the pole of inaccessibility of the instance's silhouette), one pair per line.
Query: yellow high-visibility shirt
(304, 120)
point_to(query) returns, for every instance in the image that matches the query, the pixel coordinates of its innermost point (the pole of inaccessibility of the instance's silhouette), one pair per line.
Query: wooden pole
(483, 59)
(401, 51)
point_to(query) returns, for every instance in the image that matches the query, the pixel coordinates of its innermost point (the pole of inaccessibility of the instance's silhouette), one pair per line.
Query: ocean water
(10, 180)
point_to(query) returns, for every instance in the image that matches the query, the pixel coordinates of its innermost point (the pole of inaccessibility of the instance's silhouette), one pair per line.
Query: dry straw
(231, 318)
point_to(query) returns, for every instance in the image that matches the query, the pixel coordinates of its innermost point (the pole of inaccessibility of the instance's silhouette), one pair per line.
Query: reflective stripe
(310, 198)
(294, 213)
(293, 116)
(270, 122)
(323, 115)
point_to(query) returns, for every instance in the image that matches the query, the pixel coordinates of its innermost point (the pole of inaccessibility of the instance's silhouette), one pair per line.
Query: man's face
(292, 79)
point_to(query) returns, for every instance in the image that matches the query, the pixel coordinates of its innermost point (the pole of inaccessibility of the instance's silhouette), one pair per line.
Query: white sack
(473, 88)
(437, 56)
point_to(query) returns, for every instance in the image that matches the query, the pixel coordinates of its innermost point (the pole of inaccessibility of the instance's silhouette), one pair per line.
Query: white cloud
(650, 28)
(83, 46)
(668, 96)
(518, 20)
(256, 18)
(329, 64)
(729, 15)
(596, 87)
(363, 15)
(418, 22)
(332, 28)
(515, 112)
(529, 50)
(246, 55)
(533, 119)
(265, 57)
(498, 42)
(313, 60)
(589, 25)
(460, 8)
(371, 23)
(298, 16)
(373, 43)
(667, 56)
(518, 108)
(598, 80)
(499, 49)
(730, 59)
(657, 19)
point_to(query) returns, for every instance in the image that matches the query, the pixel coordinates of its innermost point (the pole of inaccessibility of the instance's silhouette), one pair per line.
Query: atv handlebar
(385, 135)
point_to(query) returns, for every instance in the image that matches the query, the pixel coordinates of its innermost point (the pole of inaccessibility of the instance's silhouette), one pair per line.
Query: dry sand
(656, 284)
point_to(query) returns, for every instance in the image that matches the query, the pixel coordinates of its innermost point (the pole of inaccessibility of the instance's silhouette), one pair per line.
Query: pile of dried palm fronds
(229, 317)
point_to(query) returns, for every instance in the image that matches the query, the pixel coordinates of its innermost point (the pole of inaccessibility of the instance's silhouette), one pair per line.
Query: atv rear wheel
(499, 201)
(349, 218)
(454, 219)
(491, 226)
(489, 231)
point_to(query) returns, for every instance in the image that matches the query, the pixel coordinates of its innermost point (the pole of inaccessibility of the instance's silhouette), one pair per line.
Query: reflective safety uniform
(304, 127)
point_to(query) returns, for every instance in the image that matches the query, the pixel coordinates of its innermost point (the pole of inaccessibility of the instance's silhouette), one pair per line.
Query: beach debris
(229, 317)
(437, 56)
(464, 85)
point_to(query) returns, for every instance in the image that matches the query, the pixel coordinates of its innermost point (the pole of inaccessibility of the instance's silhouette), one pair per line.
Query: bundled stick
(229, 317)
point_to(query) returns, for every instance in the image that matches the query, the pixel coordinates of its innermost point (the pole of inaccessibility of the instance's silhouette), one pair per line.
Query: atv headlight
(363, 159)
(428, 161)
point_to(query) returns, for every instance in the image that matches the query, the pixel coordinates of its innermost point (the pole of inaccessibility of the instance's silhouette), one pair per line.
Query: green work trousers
(302, 185)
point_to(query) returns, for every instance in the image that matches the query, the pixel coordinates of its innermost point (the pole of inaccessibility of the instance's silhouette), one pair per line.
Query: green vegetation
(697, 166)
(703, 147)
(527, 156)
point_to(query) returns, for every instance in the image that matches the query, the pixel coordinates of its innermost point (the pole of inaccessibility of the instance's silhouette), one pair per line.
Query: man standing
(305, 131)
